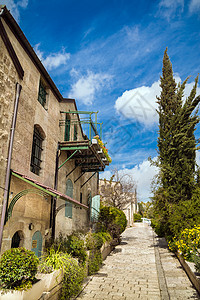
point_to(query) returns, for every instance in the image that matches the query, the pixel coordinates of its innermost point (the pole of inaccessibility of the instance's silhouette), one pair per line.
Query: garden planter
(31, 294)
(51, 280)
(195, 281)
(46, 283)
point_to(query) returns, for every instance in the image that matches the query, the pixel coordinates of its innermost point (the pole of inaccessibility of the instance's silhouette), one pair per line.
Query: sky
(108, 56)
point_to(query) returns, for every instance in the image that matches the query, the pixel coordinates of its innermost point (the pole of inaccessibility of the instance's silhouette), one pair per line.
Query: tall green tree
(176, 142)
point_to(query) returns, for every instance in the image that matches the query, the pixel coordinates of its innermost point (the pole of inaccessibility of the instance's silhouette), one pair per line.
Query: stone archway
(17, 239)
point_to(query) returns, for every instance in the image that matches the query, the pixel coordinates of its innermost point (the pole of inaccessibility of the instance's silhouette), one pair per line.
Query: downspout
(53, 200)
(7, 181)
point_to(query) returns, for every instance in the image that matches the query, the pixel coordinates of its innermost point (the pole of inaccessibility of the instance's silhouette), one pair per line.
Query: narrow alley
(139, 268)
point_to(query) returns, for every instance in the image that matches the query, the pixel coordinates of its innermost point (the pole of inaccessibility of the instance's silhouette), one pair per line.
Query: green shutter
(69, 192)
(67, 128)
(42, 94)
(75, 132)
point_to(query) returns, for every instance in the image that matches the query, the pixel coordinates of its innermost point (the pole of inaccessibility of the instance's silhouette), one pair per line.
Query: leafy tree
(176, 145)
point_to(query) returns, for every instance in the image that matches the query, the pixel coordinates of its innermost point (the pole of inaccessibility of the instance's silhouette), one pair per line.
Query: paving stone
(132, 271)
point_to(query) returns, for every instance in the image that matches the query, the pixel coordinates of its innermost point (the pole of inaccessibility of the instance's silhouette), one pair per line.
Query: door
(37, 243)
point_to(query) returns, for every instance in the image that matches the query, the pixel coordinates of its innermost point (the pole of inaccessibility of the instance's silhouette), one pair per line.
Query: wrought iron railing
(73, 122)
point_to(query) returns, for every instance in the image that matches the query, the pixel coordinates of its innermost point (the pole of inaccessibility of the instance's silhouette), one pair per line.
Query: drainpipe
(53, 203)
(5, 198)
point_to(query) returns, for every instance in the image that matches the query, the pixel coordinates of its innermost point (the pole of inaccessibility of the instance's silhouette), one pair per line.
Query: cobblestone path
(140, 268)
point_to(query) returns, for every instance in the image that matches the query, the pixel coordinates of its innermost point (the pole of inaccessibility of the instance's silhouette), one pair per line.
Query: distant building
(49, 167)
(109, 191)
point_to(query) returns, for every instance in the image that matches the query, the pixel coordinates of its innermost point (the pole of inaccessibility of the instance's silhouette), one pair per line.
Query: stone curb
(161, 275)
(189, 272)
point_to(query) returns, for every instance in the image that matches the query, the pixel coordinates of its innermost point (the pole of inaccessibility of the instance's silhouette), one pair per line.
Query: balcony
(82, 142)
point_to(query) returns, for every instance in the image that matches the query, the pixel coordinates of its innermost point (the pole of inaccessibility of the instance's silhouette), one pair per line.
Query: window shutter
(69, 192)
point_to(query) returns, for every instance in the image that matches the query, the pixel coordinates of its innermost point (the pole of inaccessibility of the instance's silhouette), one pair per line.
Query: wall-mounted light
(31, 226)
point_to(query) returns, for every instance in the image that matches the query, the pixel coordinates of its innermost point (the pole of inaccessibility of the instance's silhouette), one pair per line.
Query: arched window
(69, 192)
(38, 137)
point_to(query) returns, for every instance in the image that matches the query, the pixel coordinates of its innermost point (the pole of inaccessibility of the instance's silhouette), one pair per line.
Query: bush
(75, 246)
(53, 260)
(18, 267)
(73, 272)
(196, 260)
(158, 227)
(94, 262)
(73, 278)
(188, 242)
(137, 218)
(113, 220)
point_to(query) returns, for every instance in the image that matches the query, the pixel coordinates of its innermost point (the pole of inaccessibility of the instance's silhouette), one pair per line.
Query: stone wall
(8, 79)
(33, 208)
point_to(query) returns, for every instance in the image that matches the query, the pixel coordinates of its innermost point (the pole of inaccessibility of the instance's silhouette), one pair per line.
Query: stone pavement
(141, 267)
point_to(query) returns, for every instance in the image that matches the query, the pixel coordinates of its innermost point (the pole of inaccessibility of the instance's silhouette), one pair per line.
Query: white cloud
(198, 158)
(170, 8)
(194, 6)
(14, 7)
(140, 104)
(85, 87)
(53, 60)
(143, 175)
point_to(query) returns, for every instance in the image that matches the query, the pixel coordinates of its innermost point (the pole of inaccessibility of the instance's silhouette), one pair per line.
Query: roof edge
(19, 35)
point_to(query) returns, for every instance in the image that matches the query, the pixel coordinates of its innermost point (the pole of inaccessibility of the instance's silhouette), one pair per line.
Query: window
(67, 128)
(69, 192)
(36, 151)
(42, 94)
(75, 132)
(81, 198)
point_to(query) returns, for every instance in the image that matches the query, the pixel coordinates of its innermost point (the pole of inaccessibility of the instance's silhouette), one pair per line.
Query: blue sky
(108, 56)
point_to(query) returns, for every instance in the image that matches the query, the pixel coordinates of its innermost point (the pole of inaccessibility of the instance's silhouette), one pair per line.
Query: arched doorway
(17, 239)
(37, 243)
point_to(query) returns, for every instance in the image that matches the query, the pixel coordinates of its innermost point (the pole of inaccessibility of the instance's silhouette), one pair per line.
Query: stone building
(112, 191)
(49, 166)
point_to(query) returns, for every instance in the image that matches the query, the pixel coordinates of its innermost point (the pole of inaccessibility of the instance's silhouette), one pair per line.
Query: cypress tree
(176, 143)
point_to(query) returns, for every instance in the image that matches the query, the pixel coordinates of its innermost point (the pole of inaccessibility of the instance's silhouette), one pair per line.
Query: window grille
(36, 152)
(42, 94)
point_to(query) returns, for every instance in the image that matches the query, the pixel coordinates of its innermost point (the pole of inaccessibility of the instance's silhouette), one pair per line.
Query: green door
(37, 243)
(69, 192)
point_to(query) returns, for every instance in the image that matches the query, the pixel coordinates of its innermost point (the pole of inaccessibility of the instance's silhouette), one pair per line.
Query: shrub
(53, 260)
(18, 267)
(188, 242)
(105, 236)
(196, 260)
(73, 278)
(73, 272)
(113, 220)
(94, 262)
(159, 227)
(75, 246)
(137, 218)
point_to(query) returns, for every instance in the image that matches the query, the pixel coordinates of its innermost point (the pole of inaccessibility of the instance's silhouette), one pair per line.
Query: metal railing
(77, 121)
